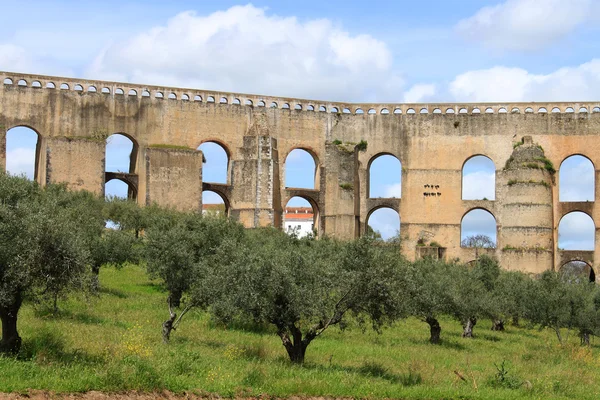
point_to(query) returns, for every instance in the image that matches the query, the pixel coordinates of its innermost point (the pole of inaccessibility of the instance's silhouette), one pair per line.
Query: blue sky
(484, 50)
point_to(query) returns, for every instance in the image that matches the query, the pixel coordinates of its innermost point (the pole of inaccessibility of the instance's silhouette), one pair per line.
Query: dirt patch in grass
(133, 395)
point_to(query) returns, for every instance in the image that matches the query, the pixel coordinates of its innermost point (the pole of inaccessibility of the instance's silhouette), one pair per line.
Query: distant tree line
(54, 241)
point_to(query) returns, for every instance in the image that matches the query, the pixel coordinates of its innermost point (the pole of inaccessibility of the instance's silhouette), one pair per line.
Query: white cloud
(526, 24)
(393, 190)
(419, 93)
(209, 197)
(478, 185)
(576, 232)
(20, 161)
(244, 49)
(576, 179)
(14, 58)
(385, 221)
(579, 83)
(478, 222)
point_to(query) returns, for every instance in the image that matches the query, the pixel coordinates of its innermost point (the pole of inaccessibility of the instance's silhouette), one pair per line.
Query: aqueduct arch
(258, 132)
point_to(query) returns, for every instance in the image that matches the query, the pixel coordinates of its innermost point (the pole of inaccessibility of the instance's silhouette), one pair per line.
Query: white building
(213, 209)
(299, 220)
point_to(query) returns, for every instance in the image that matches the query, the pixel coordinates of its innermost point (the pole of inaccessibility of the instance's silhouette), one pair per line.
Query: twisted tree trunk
(294, 345)
(95, 285)
(497, 324)
(435, 330)
(584, 337)
(11, 341)
(468, 326)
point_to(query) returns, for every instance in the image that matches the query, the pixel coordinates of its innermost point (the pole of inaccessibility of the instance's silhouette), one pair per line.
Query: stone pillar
(3, 132)
(78, 162)
(174, 178)
(256, 200)
(526, 240)
(341, 214)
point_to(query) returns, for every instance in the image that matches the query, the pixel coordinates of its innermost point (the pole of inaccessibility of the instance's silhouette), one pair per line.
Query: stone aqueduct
(433, 141)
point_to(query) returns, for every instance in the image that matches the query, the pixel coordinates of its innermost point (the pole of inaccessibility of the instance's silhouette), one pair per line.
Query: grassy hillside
(113, 343)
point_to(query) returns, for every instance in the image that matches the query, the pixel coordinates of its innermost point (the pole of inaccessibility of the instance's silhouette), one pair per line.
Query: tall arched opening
(383, 223)
(22, 152)
(576, 179)
(301, 170)
(301, 217)
(121, 159)
(216, 162)
(478, 229)
(385, 176)
(121, 154)
(479, 179)
(576, 231)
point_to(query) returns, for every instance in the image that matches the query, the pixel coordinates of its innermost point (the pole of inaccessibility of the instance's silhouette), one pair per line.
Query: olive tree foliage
(304, 286)
(427, 283)
(106, 246)
(469, 297)
(510, 298)
(555, 302)
(43, 255)
(179, 251)
(126, 214)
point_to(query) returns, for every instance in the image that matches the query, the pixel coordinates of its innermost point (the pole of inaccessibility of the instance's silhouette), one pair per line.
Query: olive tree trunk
(497, 325)
(95, 284)
(584, 337)
(435, 330)
(11, 341)
(295, 345)
(468, 326)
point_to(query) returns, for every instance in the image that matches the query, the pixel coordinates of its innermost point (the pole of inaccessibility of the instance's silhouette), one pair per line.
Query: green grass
(113, 343)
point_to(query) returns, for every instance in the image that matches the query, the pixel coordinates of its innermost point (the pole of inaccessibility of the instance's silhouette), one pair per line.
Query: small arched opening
(301, 217)
(385, 176)
(215, 168)
(577, 272)
(22, 152)
(479, 179)
(301, 169)
(214, 204)
(119, 189)
(576, 231)
(478, 229)
(576, 179)
(383, 223)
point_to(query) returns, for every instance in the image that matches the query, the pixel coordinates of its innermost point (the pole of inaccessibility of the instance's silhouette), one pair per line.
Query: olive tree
(43, 254)
(469, 297)
(510, 297)
(179, 249)
(486, 270)
(556, 303)
(427, 283)
(106, 246)
(304, 286)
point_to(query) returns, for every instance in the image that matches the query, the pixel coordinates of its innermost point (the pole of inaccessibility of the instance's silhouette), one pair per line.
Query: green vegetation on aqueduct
(88, 327)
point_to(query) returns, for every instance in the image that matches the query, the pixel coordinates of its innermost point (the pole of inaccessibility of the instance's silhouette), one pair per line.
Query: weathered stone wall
(432, 141)
(79, 162)
(174, 178)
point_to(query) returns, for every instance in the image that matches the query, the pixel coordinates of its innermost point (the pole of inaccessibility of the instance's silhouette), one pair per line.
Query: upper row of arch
(310, 107)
